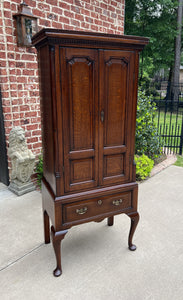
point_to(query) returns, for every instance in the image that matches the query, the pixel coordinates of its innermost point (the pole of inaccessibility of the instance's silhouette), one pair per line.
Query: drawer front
(96, 207)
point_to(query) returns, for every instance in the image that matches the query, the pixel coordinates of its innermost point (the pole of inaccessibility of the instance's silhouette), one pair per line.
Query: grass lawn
(168, 119)
(179, 161)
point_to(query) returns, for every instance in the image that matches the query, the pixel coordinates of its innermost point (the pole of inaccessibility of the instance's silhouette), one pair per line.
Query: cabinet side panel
(46, 116)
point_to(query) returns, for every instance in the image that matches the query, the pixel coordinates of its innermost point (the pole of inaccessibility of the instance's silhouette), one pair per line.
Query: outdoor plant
(39, 170)
(147, 139)
(144, 166)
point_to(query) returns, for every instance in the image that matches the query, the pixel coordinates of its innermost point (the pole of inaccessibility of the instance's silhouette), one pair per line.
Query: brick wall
(18, 65)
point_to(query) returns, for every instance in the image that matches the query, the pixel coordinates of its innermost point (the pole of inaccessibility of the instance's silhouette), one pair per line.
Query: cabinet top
(90, 39)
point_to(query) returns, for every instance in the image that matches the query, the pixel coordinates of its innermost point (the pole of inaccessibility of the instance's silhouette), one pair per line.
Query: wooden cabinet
(88, 107)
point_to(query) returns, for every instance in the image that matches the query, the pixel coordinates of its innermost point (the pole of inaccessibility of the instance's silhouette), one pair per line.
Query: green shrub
(144, 166)
(147, 139)
(39, 170)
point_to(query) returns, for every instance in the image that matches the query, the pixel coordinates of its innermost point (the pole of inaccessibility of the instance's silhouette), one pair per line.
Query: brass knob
(81, 211)
(117, 202)
(99, 202)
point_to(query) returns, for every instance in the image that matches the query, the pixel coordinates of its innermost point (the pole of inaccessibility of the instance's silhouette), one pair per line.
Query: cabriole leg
(46, 228)
(57, 237)
(134, 221)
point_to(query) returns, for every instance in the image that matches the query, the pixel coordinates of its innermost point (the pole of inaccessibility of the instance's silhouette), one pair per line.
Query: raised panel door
(116, 92)
(80, 115)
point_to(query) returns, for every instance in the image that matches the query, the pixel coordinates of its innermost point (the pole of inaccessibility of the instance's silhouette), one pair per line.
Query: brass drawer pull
(81, 211)
(99, 202)
(117, 202)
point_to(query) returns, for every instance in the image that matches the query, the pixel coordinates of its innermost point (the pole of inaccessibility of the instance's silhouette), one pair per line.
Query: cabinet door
(116, 113)
(79, 69)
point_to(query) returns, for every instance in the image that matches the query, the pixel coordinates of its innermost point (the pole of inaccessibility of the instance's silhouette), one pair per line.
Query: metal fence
(169, 120)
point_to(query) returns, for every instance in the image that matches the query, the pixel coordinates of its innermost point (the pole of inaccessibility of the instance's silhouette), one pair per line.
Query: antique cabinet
(88, 84)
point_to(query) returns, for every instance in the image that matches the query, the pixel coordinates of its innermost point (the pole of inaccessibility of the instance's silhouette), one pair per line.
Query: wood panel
(115, 105)
(80, 113)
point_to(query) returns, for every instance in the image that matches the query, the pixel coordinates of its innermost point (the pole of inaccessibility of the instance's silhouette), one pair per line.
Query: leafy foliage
(147, 139)
(144, 166)
(156, 20)
(39, 170)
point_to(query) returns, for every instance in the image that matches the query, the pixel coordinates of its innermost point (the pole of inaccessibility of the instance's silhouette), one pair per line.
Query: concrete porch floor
(96, 262)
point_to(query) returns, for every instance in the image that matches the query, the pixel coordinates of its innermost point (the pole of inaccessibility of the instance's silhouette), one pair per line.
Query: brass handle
(99, 202)
(102, 116)
(117, 202)
(81, 211)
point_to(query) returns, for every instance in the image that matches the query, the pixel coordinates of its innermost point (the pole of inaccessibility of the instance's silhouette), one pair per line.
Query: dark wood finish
(88, 108)
(46, 228)
(134, 221)
(57, 237)
(110, 221)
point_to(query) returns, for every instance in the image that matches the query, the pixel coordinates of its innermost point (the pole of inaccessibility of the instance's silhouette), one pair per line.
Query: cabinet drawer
(96, 207)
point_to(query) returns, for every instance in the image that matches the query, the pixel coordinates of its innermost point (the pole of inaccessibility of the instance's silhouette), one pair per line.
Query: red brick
(3, 79)
(75, 23)
(94, 27)
(3, 72)
(32, 127)
(102, 5)
(37, 145)
(28, 57)
(11, 55)
(79, 17)
(43, 6)
(16, 116)
(13, 7)
(16, 123)
(64, 20)
(68, 27)
(68, 14)
(89, 20)
(8, 30)
(2, 55)
(78, 2)
(52, 2)
(7, 116)
(31, 65)
(45, 23)
(36, 132)
(114, 3)
(57, 10)
(6, 4)
(111, 8)
(8, 22)
(2, 64)
(7, 14)
(15, 108)
(64, 5)
(75, 9)
(85, 12)
(69, 1)
(98, 22)
(21, 79)
(6, 109)
(13, 93)
(84, 25)
(32, 140)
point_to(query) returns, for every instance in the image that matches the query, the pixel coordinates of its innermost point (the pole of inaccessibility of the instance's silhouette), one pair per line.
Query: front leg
(134, 221)
(57, 237)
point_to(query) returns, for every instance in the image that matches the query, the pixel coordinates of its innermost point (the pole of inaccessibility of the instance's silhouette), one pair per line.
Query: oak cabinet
(88, 108)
